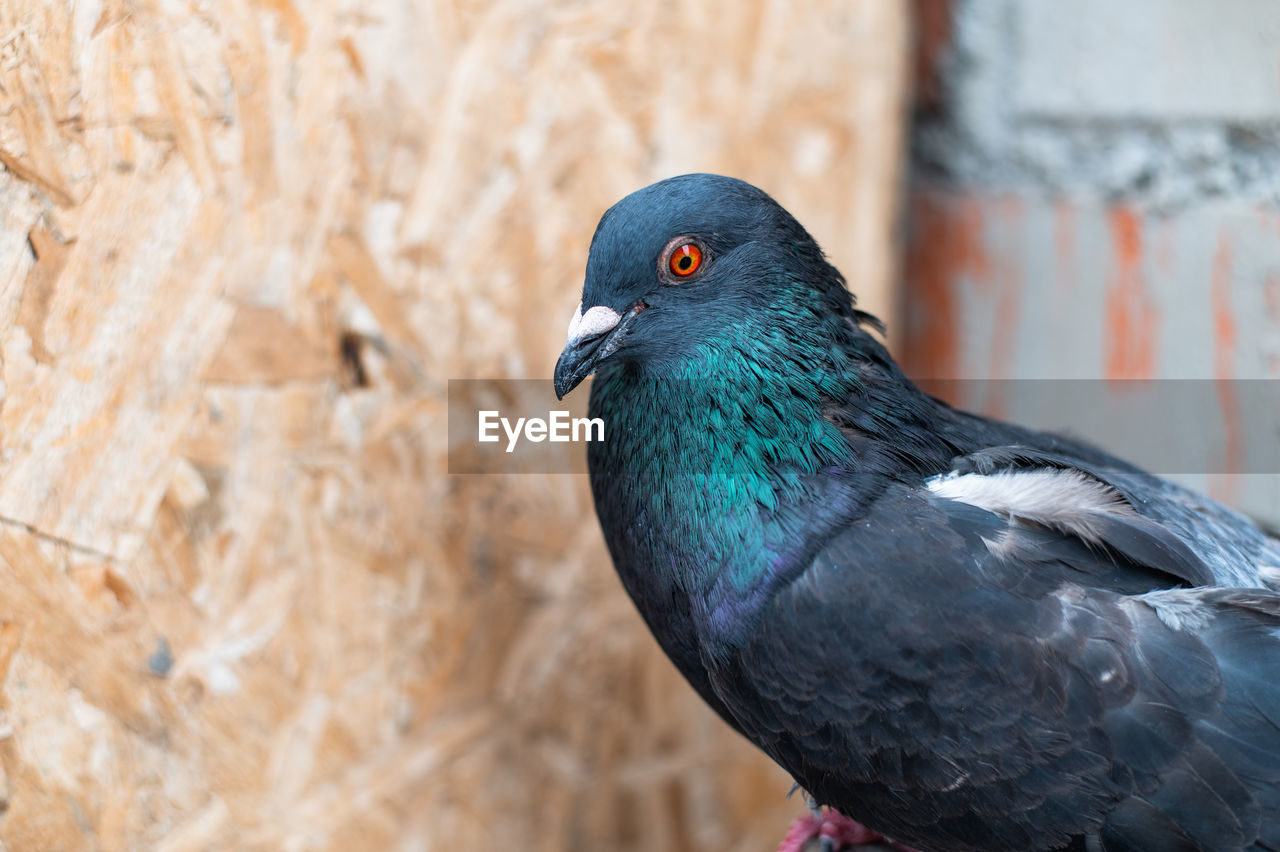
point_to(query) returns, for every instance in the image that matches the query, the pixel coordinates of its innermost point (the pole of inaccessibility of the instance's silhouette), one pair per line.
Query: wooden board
(243, 246)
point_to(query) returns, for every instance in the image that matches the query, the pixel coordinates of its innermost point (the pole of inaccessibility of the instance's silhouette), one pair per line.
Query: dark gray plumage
(965, 634)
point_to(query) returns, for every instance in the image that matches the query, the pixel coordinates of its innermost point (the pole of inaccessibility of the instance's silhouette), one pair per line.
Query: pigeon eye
(685, 259)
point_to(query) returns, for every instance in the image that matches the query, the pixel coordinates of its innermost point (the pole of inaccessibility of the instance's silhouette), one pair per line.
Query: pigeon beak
(592, 337)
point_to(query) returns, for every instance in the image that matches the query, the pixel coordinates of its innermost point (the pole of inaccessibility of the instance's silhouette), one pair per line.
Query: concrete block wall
(1095, 196)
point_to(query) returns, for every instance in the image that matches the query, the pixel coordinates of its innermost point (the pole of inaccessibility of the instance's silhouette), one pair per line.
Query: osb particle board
(242, 248)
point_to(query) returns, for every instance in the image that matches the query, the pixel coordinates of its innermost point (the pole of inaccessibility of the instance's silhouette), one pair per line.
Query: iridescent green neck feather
(729, 461)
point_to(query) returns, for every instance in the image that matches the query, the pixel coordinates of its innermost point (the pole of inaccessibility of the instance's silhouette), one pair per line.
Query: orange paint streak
(931, 343)
(1131, 319)
(1224, 349)
(946, 244)
(1224, 322)
(1271, 293)
(981, 266)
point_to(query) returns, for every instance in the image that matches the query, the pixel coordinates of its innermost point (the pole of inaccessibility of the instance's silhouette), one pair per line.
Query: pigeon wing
(958, 695)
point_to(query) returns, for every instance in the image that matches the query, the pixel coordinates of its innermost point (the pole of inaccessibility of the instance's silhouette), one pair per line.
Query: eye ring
(682, 259)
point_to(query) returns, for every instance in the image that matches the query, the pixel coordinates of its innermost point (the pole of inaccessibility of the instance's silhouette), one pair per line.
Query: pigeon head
(677, 266)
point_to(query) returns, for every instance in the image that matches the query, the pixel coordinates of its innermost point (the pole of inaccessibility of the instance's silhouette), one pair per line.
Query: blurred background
(245, 245)
(1094, 214)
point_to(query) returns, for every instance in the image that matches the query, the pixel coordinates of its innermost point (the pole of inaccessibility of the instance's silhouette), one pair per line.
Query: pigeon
(959, 633)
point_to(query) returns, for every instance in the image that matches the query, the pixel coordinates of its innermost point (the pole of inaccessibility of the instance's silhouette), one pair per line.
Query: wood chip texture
(243, 247)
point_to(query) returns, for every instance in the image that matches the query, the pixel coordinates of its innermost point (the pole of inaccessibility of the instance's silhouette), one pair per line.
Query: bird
(952, 631)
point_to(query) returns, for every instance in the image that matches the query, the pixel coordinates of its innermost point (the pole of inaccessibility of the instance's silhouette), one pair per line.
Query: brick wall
(1096, 197)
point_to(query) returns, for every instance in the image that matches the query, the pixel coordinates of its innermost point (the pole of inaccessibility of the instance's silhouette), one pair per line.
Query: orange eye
(685, 260)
